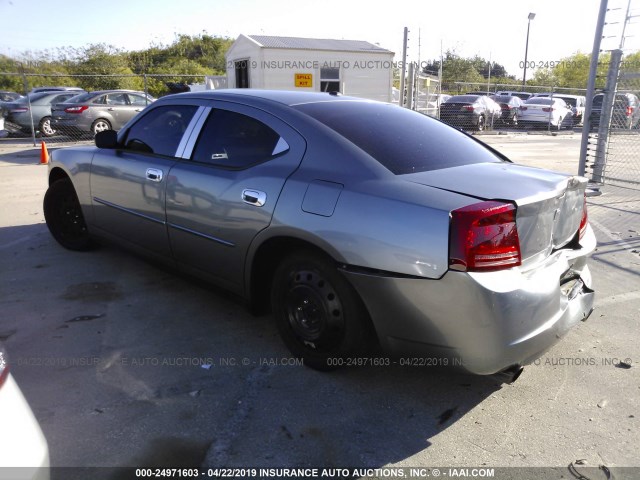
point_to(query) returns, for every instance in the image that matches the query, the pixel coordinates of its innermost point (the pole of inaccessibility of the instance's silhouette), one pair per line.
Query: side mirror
(106, 139)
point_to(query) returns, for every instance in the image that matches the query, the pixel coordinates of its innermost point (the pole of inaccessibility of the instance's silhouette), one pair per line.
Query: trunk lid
(549, 204)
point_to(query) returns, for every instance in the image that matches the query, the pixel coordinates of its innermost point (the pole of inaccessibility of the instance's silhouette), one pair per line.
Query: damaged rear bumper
(483, 322)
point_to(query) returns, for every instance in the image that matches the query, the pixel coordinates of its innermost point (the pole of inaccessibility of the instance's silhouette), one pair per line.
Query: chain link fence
(71, 114)
(614, 156)
(500, 107)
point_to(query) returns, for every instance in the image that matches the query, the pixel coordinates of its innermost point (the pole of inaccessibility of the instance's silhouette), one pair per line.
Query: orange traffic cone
(44, 154)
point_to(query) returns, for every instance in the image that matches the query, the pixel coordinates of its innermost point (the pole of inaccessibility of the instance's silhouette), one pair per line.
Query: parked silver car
(97, 111)
(24, 453)
(36, 108)
(354, 221)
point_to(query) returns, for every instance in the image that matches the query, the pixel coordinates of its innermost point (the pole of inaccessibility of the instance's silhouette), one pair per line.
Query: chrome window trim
(185, 148)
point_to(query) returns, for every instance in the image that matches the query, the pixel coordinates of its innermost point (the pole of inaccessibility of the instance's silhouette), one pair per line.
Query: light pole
(526, 50)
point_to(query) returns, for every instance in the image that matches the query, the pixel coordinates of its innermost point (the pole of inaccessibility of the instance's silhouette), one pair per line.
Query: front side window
(160, 130)
(234, 140)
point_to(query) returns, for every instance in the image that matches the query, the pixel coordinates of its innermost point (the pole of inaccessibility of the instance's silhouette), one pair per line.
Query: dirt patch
(92, 292)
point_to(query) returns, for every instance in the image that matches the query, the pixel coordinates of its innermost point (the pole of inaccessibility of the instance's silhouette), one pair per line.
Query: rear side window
(234, 140)
(85, 97)
(160, 130)
(401, 140)
(138, 100)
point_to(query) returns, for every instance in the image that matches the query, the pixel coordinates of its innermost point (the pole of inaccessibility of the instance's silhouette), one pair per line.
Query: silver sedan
(98, 111)
(356, 223)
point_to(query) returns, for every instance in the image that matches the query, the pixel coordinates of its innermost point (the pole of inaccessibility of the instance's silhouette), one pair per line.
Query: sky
(493, 29)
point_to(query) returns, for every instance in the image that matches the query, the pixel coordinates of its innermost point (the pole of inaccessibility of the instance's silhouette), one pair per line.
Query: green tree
(104, 67)
(572, 72)
(174, 71)
(466, 70)
(11, 82)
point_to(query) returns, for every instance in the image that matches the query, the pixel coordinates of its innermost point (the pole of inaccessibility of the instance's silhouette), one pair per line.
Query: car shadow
(153, 369)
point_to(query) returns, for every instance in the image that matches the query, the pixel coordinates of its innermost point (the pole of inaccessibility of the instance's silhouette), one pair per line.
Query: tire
(64, 218)
(44, 127)
(514, 120)
(319, 315)
(100, 125)
(481, 123)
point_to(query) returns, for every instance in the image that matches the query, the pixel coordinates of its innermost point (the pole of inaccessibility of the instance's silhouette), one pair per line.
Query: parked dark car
(469, 111)
(510, 105)
(355, 222)
(36, 107)
(625, 114)
(98, 111)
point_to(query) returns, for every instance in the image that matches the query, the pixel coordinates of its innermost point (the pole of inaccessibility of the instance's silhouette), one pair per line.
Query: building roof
(298, 43)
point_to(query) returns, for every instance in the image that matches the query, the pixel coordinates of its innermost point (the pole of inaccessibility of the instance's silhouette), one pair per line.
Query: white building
(352, 67)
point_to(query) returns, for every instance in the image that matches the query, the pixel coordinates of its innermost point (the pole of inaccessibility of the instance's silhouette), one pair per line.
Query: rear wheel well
(265, 262)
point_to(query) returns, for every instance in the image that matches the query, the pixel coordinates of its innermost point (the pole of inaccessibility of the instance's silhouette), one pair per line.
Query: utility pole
(403, 73)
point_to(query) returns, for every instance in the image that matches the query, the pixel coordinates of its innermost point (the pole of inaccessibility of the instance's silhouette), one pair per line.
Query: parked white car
(548, 112)
(24, 453)
(577, 104)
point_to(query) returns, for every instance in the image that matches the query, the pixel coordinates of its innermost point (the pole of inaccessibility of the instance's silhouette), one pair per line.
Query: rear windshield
(401, 140)
(32, 97)
(463, 99)
(539, 101)
(85, 97)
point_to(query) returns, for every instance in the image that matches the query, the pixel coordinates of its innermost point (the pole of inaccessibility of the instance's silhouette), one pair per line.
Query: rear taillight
(79, 109)
(4, 367)
(468, 108)
(629, 111)
(548, 109)
(584, 221)
(484, 237)
(523, 108)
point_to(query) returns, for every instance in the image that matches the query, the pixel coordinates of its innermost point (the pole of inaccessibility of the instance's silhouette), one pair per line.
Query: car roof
(99, 92)
(285, 97)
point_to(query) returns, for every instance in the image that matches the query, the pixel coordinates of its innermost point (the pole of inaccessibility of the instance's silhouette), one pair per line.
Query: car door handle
(154, 174)
(254, 197)
(110, 109)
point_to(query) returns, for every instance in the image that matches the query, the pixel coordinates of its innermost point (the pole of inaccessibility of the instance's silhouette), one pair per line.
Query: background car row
(476, 110)
(54, 110)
